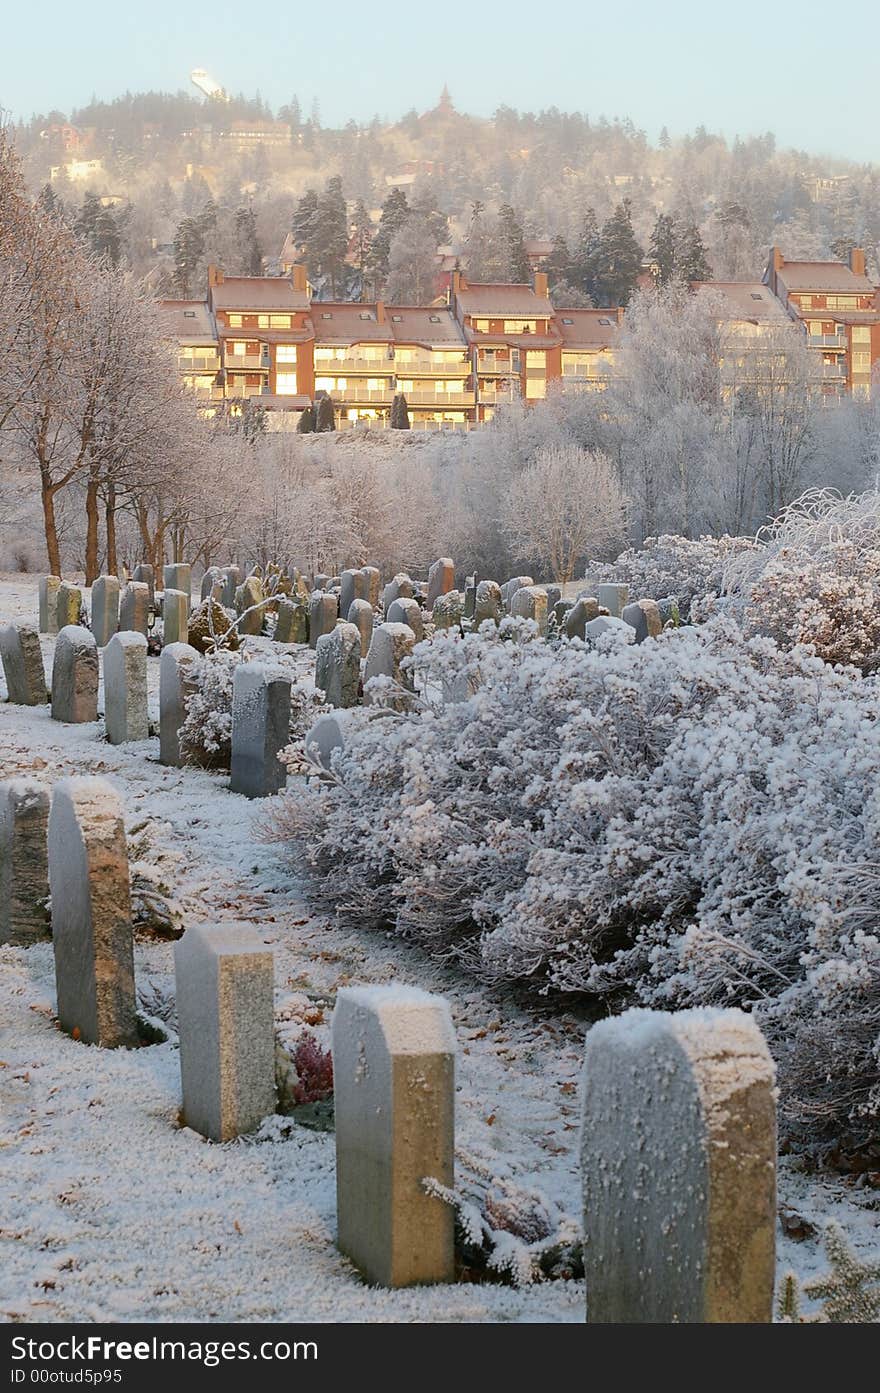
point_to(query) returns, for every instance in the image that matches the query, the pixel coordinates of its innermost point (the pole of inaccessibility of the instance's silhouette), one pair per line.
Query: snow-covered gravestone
(613, 598)
(177, 668)
(401, 587)
(352, 586)
(49, 604)
(125, 688)
(322, 615)
(178, 577)
(338, 665)
(68, 603)
(678, 1159)
(23, 669)
(75, 676)
(134, 606)
(175, 616)
(105, 609)
(212, 584)
(391, 643)
(644, 617)
(530, 602)
(143, 574)
(487, 602)
(293, 621)
(225, 1013)
(407, 610)
(583, 611)
(448, 610)
(231, 581)
(372, 581)
(24, 873)
(510, 587)
(251, 605)
(260, 729)
(91, 914)
(441, 579)
(361, 615)
(322, 739)
(394, 1078)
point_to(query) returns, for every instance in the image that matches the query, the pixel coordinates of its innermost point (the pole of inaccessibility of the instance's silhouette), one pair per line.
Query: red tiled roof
(833, 276)
(747, 300)
(341, 322)
(188, 321)
(588, 328)
(513, 301)
(432, 326)
(258, 293)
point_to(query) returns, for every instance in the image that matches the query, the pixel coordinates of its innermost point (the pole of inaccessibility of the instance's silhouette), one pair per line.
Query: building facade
(836, 307)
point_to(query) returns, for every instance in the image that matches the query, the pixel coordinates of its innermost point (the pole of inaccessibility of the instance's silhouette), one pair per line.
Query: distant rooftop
(258, 293)
(500, 301)
(188, 321)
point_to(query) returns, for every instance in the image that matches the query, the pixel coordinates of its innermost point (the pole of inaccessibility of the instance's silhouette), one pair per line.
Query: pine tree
(363, 237)
(691, 261)
(303, 220)
(249, 250)
(395, 211)
(306, 423)
(399, 412)
(618, 258)
(518, 268)
(559, 264)
(325, 415)
(583, 261)
(664, 250)
(189, 246)
(665, 141)
(330, 233)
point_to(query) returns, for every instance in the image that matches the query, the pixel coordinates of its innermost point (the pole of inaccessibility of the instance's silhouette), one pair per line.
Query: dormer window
(568, 321)
(397, 318)
(433, 318)
(365, 314)
(326, 315)
(189, 314)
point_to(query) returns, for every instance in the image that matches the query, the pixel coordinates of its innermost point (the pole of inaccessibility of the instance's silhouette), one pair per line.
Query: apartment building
(264, 328)
(190, 325)
(838, 310)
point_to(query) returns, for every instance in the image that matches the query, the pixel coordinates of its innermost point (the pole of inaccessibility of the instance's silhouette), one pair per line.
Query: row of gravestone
(678, 1148)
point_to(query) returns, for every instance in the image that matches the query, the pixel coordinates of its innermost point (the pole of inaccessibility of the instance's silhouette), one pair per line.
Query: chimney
(380, 311)
(857, 261)
(215, 276)
(456, 282)
(775, 262)
(541, 284)
(298, 276)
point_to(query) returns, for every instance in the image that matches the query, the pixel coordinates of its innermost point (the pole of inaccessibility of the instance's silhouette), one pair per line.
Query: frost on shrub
(690, 821)
(849, 1292)
(670, 567)
(206, 733)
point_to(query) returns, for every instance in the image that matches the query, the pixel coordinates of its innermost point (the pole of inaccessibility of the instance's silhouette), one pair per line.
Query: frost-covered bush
(690, 821)
(675, 567)
(206, 734)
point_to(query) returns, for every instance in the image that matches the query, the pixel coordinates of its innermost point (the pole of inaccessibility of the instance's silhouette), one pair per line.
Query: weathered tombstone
(530, 602)
(561, 610)
(144, 574)
(554, 595)
(105, 609)
(251, 605)
(125, 688)
(579, 616)
(391, 643)
(49, 586)
(224, 977)
(321, 581)
(407, 611)
(401, 587)
(338, 665)
(177, 670)
(91, 914)
(24, 872)
(260, 729)
(613, 598)
(232, 579)
(293, 621)
(68, 603)
(178, 577)
(134, 607)
(470, 596)
(323, 738)
(322, 615)
(678, 1158)
(75, 675)
(394, 1078)
(175, 616)
(361, 615)
(510, 587)
(488, 603)
(353, 585)
(212, 584)
(441, 579)
(448, 610)
(604, 624)
(644, 617)
(22, 659)
(372, 581)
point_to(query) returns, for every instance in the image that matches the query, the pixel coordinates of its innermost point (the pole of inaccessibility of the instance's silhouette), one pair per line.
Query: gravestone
(144, 574)
(554, 595)
(260, 729)
(644, 617)
(372, 582)
(178, 577)
(251, 605)
(134, 607)
(323, 738)
(488, 603)
(441, 579)
(407, 611)
(353, 585)
(391, 643)
(678, 1160)
(394, 1079)
(22, 659)
(338, 665)
(212, 584)
(175, 617)
(470, 596)
(232, 579)
(604, 624)
(24, 870)
(293, 621)
(177, 681)
(49, 586)
(530, 602)
(125, 688)
(361, 615)
(224, 978)
(580, 615)
(105, 609)
(401, 587)
(68, 603)
(322, 615)
(75, 676)
(613, 598)
(91, 914)
(321, 581)
(448, 610)
(510, 587)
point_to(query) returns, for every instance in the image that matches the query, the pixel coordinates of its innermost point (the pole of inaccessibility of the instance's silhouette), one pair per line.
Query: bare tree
(565, 507)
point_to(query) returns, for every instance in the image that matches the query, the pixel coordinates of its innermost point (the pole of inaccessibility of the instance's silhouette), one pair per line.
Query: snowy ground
(112, 1211)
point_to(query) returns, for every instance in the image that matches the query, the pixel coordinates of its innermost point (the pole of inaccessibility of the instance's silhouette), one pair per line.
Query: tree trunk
(110, 521)
(47, 494)
(91, 532)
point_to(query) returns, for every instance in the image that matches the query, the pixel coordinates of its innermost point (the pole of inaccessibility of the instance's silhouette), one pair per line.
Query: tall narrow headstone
(678, 1164)
(212, 584)
(372, 582)
(49, 604)
(391, 643)
(68, 603)
(177, 669)
(394, 1080)
(361, 615)
(613, 598)
(224, 978)
(105, 609)
(293, 621)
(322, 615)
(134, 607)
(487, 603)
(353, 585)
(232, 579)
(144, 574)
(407, 611)
(175, 617)
(125, 688)
(338, 665)
(178, 577)
(24, 871)
(75, 676)
(260, 729)
(441, 579)
(251, 605)
(22, 659)
(91, 914)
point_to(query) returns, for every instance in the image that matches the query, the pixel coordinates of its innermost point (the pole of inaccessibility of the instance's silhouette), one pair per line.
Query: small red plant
(314, 1068)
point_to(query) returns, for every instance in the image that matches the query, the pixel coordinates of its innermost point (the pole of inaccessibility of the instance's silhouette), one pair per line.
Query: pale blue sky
(805, 70)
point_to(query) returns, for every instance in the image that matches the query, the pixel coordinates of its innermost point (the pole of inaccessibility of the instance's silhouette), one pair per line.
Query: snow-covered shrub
(694, 820)
(669, 566)
(206, 733)
(849, 1291)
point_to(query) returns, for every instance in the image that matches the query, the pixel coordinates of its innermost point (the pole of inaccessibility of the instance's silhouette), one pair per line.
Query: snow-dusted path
(109, 1210)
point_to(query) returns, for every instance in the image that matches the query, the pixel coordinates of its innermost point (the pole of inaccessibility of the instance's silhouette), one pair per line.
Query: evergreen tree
(664, 250)
(306, 423)
(303, 219)
(330, 233)
(558, 264)
(189, 247)
(50, 203)
(691, 261)
(325, 415)
(583, 262)
(399, 413)
(518, 268)
(618, 258)
(249, 250)
(395, 211)
(665, 141)
(363, 238)
(97, 227)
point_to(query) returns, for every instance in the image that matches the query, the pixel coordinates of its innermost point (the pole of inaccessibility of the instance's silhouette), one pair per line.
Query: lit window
(285, 384)
(397, 318)
(189, 314)
(285, 353)
(262, 321)
(326, 314)
(279, 321)
(568, 321)
(235, 321)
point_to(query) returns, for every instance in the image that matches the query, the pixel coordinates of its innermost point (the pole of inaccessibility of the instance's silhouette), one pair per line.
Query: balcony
(247, 362)
(833, 370)
(430, 367)
(499, 367)
(339, 367)
(826, 340)
(439, 398)
(209, 362)
(358, 393)
(490, 395)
